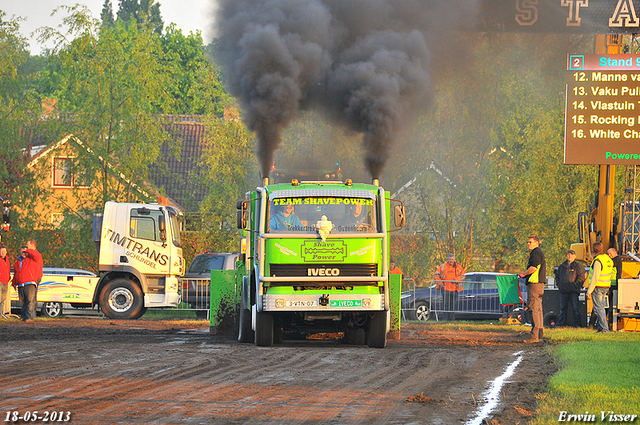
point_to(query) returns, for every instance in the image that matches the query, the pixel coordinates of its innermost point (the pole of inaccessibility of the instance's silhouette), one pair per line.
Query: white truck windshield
(301, 214)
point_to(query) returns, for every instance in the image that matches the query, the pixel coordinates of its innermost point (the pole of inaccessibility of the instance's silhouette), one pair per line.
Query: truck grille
(294, 270)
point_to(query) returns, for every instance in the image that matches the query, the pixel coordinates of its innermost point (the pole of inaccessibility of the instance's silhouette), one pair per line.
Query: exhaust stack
(266, 181)
(375, 182)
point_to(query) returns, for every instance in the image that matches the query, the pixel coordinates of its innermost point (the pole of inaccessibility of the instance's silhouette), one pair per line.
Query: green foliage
(70, 245)
(144, 13)
(194, 83)
(113, 84)
(487, 158)
(106, 16)
(228, 162)
(18, 102)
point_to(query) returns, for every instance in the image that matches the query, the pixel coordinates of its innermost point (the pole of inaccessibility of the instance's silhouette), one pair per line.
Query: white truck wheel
(122, 299)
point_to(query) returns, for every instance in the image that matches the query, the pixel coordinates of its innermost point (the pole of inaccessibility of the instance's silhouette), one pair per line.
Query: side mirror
(242, 214)
(400, 216)
(163, 229)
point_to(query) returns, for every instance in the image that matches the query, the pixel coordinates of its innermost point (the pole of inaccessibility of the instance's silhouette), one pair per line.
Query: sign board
(561, 16)
(602, 110)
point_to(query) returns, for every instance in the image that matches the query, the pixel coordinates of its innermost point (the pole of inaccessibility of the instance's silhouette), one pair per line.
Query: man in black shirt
(536, 275)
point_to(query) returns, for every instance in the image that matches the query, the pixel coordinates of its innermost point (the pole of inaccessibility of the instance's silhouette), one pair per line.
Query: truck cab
(140, 258)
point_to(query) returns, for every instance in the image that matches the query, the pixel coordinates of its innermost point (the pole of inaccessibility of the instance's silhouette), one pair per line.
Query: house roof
(180, 174)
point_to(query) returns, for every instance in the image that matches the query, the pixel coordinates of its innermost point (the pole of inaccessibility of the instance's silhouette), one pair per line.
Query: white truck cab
(140, 258)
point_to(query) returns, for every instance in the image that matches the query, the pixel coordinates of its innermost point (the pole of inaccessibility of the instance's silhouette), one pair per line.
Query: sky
(188, 15)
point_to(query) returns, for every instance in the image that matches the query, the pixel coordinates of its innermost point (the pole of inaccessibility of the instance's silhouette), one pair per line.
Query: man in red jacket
(29, 277)
(5, 277)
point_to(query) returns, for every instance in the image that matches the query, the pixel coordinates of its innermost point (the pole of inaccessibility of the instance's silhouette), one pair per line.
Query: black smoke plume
(365, 62)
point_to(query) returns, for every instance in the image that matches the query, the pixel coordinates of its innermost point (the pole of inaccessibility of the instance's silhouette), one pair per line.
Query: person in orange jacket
(449, 277)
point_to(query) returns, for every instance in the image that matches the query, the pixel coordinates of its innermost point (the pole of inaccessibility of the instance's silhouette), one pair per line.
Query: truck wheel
(377, 333)
(422, 311)
(122, 299)
(52, 309)
(264, 330)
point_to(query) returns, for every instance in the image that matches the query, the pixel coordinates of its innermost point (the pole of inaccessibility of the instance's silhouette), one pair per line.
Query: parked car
(73, 287)
(479, 299)
(197, 280)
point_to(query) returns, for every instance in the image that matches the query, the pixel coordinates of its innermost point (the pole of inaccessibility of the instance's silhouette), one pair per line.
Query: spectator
(29, 277)
(600, 281)
(570, 279)
(393, 269)
(449, 277)
(5, 277)
(615, 276)
(536, 275)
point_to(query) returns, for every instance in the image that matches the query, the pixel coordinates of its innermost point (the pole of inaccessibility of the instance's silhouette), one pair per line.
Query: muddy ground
(174, 372)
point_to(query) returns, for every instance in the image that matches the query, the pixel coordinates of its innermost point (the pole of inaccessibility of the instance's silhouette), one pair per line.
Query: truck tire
(264, 330)
(122, 299)
(245, 333)
(52, 309)
(377, 333)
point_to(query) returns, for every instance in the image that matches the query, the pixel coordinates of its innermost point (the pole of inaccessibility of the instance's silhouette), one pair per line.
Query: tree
(106, 16)
(194, 83)
(112, 84)
(229, 167)
(145, 13)
(19, 105)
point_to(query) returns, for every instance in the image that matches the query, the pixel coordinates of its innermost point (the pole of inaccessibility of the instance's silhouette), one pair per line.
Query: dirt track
(107, 371)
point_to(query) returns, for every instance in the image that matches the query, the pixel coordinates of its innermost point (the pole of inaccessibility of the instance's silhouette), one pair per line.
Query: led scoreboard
(602, 111)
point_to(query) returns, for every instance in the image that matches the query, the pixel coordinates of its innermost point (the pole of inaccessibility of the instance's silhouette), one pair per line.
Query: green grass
(598, 372)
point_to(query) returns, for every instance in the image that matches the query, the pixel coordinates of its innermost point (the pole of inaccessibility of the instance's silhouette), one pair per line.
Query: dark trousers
(565, 301)
(29, 296)
(450, 300)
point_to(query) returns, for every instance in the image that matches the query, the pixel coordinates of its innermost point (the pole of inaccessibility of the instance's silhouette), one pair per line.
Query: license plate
(300, 304)
(345, 303)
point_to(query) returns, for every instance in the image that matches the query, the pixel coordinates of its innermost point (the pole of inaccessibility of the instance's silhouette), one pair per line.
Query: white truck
(140, 258)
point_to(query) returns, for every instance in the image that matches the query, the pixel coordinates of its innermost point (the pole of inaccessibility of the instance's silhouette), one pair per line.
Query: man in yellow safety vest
(600, 282)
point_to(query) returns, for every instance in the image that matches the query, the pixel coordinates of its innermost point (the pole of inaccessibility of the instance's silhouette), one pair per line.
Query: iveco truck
(317, 255)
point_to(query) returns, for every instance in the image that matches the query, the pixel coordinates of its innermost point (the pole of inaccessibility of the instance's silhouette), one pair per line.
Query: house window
(62, 172)
(64, 177)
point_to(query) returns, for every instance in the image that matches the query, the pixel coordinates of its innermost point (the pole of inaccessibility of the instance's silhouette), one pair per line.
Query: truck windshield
(175, 229)
(302, 214)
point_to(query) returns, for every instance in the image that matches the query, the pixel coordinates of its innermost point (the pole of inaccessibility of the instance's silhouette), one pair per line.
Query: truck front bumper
(323, 302)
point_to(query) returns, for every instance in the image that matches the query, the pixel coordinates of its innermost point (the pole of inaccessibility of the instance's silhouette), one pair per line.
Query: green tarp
(509, 290)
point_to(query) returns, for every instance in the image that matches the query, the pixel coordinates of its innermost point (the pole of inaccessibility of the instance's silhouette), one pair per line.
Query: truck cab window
(145, 226)
(302, 214)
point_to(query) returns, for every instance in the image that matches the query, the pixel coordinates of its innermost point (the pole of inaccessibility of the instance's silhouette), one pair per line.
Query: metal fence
(479, 299)
(195, 295)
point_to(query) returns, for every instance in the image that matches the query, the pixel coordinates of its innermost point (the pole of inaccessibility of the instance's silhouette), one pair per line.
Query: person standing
(5, 277)
(600, 281)
(536, 275)
(616, 275)
(570, 280)
(393, 269)
(30, 275)
(449, 277)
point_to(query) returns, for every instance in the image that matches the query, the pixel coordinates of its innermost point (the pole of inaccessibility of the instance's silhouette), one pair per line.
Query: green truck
(317, 255)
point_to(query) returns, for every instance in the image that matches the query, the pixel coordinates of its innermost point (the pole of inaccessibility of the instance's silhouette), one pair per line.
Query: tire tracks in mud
(164, 377)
